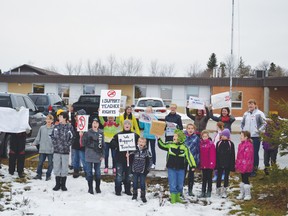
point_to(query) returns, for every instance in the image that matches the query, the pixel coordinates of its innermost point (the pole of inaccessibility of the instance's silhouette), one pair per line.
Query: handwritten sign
(82, 123)
(146, 117)
(110, 102)
(157, 128)
(196, 103)
(126, 142)
(170, 128)
(220, 100)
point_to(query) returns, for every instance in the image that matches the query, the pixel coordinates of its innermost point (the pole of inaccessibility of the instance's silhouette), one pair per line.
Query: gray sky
(182, 32)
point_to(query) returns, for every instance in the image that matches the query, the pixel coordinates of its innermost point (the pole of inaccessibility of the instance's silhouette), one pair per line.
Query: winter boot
(178, 198)
(134, 196)
(214, 179)
(118, 190)
(219, 191)
(63, 183)
(208, 194)
(127, 189)
(247, 192)
(224, 192)
(76, 173)
(241, 194)
(266, 171)
(58, 183)
(173, 198)
(98, 185)
(90, 186)
(190, 189)
(143, 197)
(202, 195)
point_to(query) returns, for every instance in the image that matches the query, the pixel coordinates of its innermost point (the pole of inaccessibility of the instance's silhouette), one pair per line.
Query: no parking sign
(82, 123)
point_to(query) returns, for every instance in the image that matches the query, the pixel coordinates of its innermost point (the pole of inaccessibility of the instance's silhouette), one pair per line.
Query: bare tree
(78, 68)
(230, 65)
(89, 68)
(194, 70)
(111, 68)
(52, 68)
(69, 68)
(130, 67)
(263, 66)
(154, 68)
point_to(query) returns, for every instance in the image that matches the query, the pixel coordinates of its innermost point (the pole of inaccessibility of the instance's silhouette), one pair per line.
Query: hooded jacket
(207, 154)
(193, 144)
(225, 155)
(245, 157)
(62, 138)
(253, 122)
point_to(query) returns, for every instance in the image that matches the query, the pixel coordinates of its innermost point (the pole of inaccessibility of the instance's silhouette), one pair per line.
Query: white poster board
(196, 103)
(170, 128)
(220, 100)
(126, 142)
(82, 123)
(147, 118)
(123, 101)
(13, 121)
(110, 102)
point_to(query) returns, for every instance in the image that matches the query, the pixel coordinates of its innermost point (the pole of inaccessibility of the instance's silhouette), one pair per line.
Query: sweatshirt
(43, 139)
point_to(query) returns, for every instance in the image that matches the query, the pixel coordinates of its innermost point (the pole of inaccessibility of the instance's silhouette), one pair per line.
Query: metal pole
(231, 54)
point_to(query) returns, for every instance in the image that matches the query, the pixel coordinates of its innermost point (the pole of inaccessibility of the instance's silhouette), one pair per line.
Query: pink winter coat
(245, 157)
(207, 154)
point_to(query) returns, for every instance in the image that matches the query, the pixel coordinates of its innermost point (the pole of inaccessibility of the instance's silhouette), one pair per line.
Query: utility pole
(231, 54)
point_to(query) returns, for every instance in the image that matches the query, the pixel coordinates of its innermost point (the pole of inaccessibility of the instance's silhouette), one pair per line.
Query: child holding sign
(177, 155)
(124, 143)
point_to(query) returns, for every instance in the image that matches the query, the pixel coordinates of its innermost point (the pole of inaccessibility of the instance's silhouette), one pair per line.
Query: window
(140, 91)
(38, 88)
(192, 91)
(236, 100)
(88, 89)
(166, 94)
(64, 92)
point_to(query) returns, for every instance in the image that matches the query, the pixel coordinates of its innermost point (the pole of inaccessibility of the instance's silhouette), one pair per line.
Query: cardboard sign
(110, 102)
(82, 123)
(196, 103)
(170, 128)
(220, 100)
(126, 142)
(157, 127)
(145, 117)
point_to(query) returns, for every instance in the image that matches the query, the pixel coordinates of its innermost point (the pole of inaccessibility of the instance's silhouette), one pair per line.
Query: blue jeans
(123, 173)
(78, 156)
(42, 158)
(176, 179)
(89, 171)
(152, 147)
(113, 152)
(136, 178)
(256, 145)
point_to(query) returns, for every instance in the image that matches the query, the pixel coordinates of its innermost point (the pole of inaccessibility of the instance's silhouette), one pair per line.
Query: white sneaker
(153, 166)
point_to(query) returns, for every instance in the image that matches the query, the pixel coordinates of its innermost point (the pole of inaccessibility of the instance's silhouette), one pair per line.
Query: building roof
(26, 69)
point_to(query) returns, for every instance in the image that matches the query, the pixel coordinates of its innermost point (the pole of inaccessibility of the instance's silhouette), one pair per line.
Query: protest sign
(82, 123)
(196, 103)
(126, 142)
(157, 127)
(146, 117)
(110, 102)
(170, 128)
(220, 100)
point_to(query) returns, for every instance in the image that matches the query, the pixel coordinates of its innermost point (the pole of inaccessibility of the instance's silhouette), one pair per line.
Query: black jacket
(225, 155)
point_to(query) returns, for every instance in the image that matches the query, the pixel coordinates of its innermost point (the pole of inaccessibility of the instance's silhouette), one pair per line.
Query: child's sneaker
(106, 170)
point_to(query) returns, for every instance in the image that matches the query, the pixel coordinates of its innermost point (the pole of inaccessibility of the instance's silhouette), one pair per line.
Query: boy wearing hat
(93, 141)
(225, 161)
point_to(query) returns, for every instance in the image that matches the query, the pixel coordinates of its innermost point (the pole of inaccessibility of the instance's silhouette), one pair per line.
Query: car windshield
(40, 100)
(152, 103)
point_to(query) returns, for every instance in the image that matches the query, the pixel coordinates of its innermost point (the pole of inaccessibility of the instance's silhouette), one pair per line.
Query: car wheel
(7, 145)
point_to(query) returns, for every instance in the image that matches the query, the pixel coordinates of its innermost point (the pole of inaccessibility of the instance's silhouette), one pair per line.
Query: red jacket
(245, 157)
(207, 154)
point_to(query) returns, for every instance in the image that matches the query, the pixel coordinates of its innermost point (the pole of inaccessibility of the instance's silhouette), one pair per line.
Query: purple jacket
(207, 154)
(245, 157)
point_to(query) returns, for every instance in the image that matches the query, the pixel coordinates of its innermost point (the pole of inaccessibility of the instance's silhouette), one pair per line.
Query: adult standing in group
(224, 117)
(127, 115)
(254, 121)
(172, 117)
(200, 119)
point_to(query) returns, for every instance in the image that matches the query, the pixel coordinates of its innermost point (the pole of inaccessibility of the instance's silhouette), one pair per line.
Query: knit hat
(225, 132)
(127, 122)
(95, 119)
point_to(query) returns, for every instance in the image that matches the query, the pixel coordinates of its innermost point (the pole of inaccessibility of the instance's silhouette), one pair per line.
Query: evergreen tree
(222, 69)
(272, 69)
(212, 61)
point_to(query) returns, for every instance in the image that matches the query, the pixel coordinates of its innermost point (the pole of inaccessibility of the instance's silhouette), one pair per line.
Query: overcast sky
(182, 32)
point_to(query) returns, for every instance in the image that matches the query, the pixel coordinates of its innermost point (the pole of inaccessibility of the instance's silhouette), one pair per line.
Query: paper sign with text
(126, 142)
(170, 128)
(145, 117)
(157, 127)
(196, 103)
(220, 100)
(82, 123)
(110, 102)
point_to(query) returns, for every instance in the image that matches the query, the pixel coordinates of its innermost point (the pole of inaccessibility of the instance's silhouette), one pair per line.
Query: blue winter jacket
(193, 144)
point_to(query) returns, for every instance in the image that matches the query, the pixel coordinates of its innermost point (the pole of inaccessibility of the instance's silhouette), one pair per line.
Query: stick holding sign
(127, 143)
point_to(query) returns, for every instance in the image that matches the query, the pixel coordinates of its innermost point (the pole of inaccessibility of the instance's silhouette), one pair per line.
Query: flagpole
(231, 54)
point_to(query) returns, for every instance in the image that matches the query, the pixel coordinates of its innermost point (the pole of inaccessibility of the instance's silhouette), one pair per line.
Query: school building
(266, 90)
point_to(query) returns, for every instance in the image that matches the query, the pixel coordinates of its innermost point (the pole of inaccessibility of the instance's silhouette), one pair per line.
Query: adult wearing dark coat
(224, 117)
(174, 118)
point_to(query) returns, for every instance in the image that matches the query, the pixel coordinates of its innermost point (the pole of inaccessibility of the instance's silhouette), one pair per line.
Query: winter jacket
(175, 118)
(62, 138)
(120, 156)
(253, 122)
(109, 128)
(43, 139)
(141, 161)
(177, 155)
(146, 127)
(245, 157)
(225, 155)
(207, 154)
(193, 144)
(201, 123)
(93, 141)
(134, 124)
(226, 120)
(77, 141)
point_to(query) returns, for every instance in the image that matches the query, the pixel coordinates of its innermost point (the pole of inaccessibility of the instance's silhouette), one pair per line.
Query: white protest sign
(110, 102)
(13, 121)
(82, 123)
(220, 100)
(196, 103)
(146, 117)
(170, 128)
(126, 142)
(123, 101)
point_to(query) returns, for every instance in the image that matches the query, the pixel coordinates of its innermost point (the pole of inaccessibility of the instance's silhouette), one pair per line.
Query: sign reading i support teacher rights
(110, 102)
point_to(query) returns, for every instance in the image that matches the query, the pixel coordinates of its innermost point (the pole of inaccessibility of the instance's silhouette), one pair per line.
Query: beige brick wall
(23, 88)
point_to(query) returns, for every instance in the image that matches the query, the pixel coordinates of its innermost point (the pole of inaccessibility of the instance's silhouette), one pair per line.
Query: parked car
(157, 104)
(50, 102)
(36, 118)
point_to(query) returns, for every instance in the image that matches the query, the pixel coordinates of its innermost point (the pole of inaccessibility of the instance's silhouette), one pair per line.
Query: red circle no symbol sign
(111, 93)
(81, 123)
